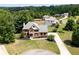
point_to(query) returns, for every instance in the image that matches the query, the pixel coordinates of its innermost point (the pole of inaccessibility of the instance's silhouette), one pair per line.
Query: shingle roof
(29, 24)
(42, 28)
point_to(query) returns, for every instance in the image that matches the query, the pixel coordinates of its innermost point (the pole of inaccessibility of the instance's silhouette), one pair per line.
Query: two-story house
(34, 30)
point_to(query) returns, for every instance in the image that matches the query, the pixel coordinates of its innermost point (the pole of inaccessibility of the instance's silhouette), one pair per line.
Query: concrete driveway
(38, 52)
(60, 44)
(3, 50)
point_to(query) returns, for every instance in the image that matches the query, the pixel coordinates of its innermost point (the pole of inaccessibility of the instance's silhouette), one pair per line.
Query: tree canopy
(70, 24)
(21, 17)
(75, 35)
(7, 28)
(72, 9)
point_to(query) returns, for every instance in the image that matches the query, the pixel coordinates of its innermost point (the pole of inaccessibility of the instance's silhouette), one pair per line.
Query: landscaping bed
(21, 46)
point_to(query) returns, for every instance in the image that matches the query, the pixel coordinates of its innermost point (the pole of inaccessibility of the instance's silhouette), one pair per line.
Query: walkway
(3, 50)
(38, 52)
(60, 44)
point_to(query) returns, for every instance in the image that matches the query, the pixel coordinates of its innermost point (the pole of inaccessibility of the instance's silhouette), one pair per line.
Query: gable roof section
(42, 28)
(30, 24)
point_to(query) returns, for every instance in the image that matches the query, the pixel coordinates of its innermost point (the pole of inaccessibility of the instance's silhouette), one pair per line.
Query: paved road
(3, 50)
(61, 46)
(38, 52)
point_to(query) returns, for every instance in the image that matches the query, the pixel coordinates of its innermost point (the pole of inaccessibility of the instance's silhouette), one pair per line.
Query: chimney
(23, 24)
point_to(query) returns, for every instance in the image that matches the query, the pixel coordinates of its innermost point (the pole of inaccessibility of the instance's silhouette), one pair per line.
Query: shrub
(53, 25)
(75, 36)
(1, 39)
(57, 25)
(77, 21)
(55, 30)
(69, 25)
(50, 38)
(60, 21)
(22, 35)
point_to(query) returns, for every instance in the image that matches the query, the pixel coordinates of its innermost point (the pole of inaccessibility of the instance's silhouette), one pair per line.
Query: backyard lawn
(21, 46)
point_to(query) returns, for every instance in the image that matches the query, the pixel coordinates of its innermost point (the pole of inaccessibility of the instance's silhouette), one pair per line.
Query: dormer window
(33, 26)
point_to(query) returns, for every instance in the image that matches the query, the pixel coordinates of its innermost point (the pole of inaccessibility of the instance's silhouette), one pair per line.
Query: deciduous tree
(7, 27)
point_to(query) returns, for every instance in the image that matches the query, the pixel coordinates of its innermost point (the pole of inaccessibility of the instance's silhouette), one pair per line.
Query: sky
(13, 3)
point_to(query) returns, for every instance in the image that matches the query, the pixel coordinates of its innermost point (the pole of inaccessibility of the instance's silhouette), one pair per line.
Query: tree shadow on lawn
(25, 38)
(60, 31)
(69, 43)
(2, 43)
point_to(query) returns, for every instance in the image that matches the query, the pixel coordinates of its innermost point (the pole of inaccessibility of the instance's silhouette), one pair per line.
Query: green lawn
(17, 36)
(67, 35)
(50, 28)
(73, 50)
(24, 45)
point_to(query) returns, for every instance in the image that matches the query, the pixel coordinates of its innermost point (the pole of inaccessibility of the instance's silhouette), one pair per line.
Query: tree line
(72, 9)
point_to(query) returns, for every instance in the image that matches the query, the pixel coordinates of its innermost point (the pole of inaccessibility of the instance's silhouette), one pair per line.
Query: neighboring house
(62, 15)
(57, 15)
(50, 20)
(66, 15)
(34, 30)
(45, 16)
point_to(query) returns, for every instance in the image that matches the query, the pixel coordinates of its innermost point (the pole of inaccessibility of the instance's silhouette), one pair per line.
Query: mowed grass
(73, 50)
(50, 28)
(21, 46)
(65, 35)
(68, 36)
